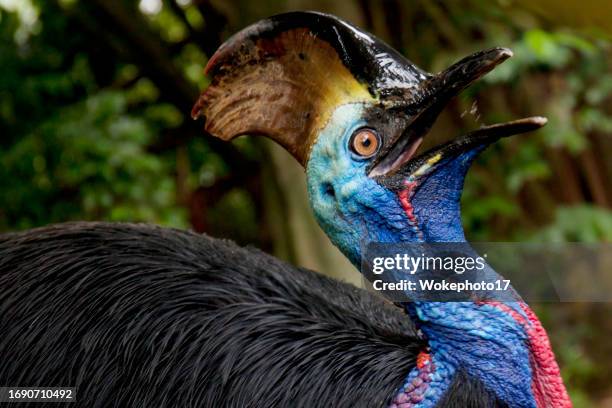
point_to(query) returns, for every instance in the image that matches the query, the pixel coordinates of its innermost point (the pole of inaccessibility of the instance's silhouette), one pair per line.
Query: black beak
(426, 103)
(480, 137)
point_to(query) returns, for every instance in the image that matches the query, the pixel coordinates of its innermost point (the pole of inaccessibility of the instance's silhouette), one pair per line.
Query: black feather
(142, 316)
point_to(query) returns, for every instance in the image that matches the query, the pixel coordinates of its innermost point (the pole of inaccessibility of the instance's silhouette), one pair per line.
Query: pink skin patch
(404, 196)
(547, 383)
(422, 360)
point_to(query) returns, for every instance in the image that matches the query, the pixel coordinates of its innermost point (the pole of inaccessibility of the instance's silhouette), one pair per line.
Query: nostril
(328, 190)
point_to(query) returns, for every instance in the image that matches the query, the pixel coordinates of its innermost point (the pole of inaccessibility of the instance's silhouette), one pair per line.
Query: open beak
(426, 103)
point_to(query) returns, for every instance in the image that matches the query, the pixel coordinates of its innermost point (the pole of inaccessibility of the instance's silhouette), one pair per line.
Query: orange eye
(365, 143)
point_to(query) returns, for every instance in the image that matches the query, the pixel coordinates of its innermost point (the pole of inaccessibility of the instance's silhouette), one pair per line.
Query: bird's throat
(502, 344)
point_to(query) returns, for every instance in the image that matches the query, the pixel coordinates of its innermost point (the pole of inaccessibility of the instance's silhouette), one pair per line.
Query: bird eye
(365, 143)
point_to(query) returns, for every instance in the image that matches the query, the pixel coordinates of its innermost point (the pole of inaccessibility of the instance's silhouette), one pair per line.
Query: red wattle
(404, 197)
(547, 384)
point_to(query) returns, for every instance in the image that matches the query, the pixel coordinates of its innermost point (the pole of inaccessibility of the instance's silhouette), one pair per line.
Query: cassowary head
(353, 112)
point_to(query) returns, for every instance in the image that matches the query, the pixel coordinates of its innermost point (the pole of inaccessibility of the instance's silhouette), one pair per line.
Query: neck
(503, 344)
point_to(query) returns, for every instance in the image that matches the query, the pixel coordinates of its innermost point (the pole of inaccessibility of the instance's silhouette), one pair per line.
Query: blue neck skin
(483, 340)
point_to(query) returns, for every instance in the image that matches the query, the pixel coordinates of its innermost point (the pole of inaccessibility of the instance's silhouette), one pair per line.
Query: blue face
(354, 209)
(351, 207)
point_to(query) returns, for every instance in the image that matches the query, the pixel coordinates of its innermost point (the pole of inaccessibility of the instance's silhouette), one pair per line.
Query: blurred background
(95, 98)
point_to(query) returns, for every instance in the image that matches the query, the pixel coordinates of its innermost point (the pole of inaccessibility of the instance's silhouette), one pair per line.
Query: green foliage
(578, 224)
(69, 150)
(573, 96)
(88, 161)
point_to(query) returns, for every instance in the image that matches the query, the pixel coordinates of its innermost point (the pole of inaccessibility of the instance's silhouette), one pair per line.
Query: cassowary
(141, 316)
